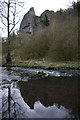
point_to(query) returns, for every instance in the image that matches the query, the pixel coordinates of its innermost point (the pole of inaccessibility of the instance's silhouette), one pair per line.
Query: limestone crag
(30, 22)
(49, 14)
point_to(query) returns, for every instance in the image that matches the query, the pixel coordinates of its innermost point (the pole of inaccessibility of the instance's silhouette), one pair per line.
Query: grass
(43, 64)
(54, 47)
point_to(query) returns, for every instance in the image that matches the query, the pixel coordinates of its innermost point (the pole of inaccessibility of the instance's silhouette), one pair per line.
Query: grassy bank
(44, 64)
(54, 47)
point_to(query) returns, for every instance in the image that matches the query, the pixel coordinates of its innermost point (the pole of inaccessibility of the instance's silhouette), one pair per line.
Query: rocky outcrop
(30, 22)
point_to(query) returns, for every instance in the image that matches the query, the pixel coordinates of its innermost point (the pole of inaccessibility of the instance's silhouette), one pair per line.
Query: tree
(46, 21)
(9, 12)
(61, 11)
(11, 108)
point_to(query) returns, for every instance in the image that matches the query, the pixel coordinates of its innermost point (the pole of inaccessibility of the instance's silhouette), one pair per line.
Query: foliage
(9, 13)
(57, 42)
(40, 74)
(76, 5)
(64, 45)
(46, 21)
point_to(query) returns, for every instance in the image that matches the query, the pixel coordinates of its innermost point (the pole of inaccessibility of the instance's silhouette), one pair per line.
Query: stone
(30, 22)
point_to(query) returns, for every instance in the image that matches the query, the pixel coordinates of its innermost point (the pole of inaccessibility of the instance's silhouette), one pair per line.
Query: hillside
(53, 36)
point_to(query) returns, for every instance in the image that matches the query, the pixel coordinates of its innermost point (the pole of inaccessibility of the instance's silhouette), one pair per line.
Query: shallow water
(54, 96)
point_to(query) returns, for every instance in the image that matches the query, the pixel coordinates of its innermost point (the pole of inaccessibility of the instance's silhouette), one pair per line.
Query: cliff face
(30, 22)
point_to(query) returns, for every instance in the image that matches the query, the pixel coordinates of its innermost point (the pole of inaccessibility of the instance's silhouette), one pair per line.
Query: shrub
(65, 41)
(58, 41)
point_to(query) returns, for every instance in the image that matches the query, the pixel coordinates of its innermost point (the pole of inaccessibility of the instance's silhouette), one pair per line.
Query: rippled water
(15, 73)
(54, 96)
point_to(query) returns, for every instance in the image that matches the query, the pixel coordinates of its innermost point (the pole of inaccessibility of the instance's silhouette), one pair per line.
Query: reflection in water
(40, 95)
(0, 103)
(40, 111)
(22, 110)
(17, 105)
(60, 90)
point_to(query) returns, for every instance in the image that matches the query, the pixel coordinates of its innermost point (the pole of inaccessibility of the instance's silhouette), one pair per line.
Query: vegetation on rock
(57, 42)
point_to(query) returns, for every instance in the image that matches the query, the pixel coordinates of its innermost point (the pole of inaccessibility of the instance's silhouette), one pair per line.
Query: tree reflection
(10, 107)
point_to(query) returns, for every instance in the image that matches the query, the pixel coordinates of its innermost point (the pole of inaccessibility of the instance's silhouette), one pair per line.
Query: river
(55, 95)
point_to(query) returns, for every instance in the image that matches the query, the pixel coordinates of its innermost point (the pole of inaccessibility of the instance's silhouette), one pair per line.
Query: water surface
(53, 96)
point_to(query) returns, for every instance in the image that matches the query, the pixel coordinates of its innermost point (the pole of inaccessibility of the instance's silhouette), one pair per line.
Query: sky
(40, 6)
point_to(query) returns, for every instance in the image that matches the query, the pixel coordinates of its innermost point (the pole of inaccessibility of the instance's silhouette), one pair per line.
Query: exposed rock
(47, 12)
(30, 22)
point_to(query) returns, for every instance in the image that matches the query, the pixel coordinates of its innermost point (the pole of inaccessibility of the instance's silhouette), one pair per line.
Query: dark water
(56, 95)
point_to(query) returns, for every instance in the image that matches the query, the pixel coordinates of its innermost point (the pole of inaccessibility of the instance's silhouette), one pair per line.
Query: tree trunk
(8, 58)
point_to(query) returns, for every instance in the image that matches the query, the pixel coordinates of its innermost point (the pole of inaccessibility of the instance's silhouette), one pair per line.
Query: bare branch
(18, 12)
(13, 27)
(3, 22)
(5, 3)
(3, 16)
(21, 5)
(13, 13)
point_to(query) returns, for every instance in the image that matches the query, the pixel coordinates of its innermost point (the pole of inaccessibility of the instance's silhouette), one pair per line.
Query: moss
(40, 74)
(14, 80)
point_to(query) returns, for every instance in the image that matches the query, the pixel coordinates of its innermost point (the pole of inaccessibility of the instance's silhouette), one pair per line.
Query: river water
(56, 95)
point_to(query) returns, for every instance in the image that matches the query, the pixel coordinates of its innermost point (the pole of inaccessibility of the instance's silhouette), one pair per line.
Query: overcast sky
(41, 5)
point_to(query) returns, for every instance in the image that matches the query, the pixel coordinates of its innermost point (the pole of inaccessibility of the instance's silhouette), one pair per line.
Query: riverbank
(44, 64)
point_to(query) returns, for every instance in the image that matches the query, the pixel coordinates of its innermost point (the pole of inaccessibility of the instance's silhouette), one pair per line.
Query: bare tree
(11, 108)
(10, 11)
